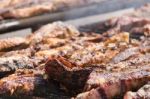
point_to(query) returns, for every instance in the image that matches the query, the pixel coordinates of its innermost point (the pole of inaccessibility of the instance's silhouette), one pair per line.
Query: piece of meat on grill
(135, 26)
(68, 74)
(13, 43)
(28, 8)
(126, 54)
(59, 44)
(10, 64)
(98, 53)
(24, 82)
(8, 3)
(59, 51)
(25, 8)
(54, 30)
(80, 62)
(29, 11)
(120, 82)
(64, 47)
(142, 93)
(135, 62)
(121, 77)
(22, 52)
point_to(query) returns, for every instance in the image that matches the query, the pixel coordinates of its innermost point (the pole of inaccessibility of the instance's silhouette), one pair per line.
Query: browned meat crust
(135, 26)
(23, 82)
(116, 62)
(142, 93)
(76, 67)
(31, 52)
(67, 74)
(13, 43)
(121, 77)
(10, 64)
(120, 82)
(28, 8)
(89, 63)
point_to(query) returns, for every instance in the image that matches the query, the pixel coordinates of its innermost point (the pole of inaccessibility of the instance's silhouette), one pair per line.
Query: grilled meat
(54, 30)
(10, 64)
(135, 26)
(28, 8)
(121, 77)
(22, 52)
(65, 50)
(120, 82)
(127, 53)
(69, 75)
(80, 62)
(113, 62)
(97, 53)
(8, 3)
(50, 36)
(23, 82)
(142, 93)
(29, 11)
(13, 43)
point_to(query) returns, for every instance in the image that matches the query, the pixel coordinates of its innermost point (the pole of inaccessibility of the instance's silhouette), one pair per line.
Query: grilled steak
(13, 43)
(10, 64)
(54, 30)
(120, 83)
(135, 26)
(142, 93)
(23, 82)
(22, 52)
(70, 76)
(28, 8)
(76, 67)
(116, 63)
(121, 77)
(93, 64)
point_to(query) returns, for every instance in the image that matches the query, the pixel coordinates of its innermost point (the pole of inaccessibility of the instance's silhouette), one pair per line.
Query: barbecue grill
(88, 18)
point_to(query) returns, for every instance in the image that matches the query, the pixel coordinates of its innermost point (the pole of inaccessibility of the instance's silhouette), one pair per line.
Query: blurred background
(22, 17)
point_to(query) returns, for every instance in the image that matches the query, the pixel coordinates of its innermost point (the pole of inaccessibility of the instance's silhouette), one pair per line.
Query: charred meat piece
(142, 93)
(22, 52)
(22, 9)
(51, 40)
(126, 54)
(118, 71)
(65, 47)
(145, 46)
(29, 11)
(54, 30)
(59, 51)
(13, 43)
(121, 77)
(28, 8)
(10, 64)
(101, 85)
(76, 67)
(135, 26)
(98, 53)
(54, 52)
(68, 74)
(89, 56)
(8, 3)
(23, 82)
